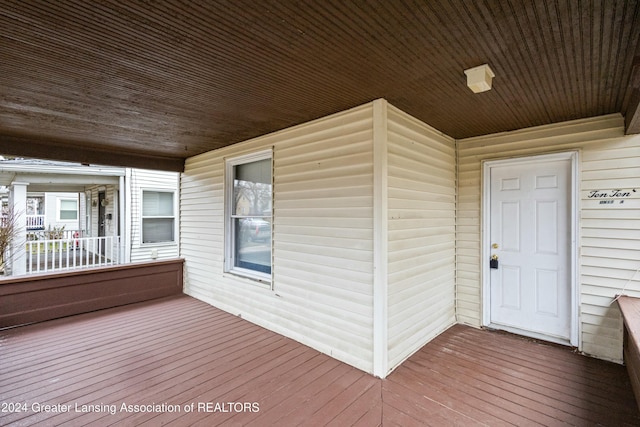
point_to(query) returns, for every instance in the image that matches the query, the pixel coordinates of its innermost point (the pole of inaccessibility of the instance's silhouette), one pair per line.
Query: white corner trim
(380, 232)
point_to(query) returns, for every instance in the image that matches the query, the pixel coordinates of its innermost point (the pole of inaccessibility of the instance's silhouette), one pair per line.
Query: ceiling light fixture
(479, 78)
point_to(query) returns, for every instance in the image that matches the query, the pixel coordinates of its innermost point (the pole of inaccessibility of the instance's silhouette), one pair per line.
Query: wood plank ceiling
(150, 83)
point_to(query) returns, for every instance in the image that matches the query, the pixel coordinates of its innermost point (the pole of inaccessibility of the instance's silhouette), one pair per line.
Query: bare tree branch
(8, 232)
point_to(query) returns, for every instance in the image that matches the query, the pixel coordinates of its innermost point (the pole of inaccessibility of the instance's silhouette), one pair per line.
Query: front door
(530, 244)
(102, 219)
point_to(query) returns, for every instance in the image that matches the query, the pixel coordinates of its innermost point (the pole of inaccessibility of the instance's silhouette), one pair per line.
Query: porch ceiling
(148, 84)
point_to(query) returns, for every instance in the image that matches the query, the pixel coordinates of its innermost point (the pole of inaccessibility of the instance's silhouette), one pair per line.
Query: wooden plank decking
(177, 352)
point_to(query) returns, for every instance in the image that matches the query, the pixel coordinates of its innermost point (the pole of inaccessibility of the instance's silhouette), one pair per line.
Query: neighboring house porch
(72, 216)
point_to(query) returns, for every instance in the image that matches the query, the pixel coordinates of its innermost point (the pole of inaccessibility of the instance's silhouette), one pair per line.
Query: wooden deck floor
(183, 362)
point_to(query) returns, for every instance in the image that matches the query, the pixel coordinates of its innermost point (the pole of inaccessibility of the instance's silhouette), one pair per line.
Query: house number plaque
(612, 197)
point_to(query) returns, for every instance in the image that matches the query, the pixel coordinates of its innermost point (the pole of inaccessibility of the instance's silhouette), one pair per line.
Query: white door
(530, 234)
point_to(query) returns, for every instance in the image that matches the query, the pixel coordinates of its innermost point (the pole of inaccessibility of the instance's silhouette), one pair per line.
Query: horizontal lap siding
(610, 242)
(610, 235)
(421, 234)
(323, 228)
(142, 179)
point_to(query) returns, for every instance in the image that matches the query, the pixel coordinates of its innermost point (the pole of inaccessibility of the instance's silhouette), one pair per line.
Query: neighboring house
(149, 205)
(120, 214)
(384, 232)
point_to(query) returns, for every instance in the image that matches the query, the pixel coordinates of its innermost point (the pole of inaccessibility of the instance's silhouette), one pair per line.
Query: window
(248, 215)
(35, 205)
(68, 210)
(158, 220)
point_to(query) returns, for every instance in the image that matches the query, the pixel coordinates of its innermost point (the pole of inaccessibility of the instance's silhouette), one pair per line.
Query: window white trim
(174, 216)
(230, 241)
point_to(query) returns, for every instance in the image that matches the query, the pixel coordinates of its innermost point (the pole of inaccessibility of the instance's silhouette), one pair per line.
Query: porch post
(125, 216)
(18, 205)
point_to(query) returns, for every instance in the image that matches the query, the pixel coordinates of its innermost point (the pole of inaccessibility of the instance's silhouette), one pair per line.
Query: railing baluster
(72, 253)
(77, 252)
(29, 257)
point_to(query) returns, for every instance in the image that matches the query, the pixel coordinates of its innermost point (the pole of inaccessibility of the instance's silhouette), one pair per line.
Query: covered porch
(402, 178)
(178, 360)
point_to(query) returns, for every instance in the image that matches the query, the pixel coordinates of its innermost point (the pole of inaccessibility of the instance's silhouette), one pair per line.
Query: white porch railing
(72, 253)
(35, 222)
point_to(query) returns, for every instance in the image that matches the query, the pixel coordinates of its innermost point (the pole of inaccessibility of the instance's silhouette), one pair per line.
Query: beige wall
(322, 289)
(377, 231)
(421, 234)
(363, 235)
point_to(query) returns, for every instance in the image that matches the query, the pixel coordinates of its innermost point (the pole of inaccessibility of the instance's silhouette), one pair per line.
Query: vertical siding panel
(322, 241)
(610, 240)
(421, 236)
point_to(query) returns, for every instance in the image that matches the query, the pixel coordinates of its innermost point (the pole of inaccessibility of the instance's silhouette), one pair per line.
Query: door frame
(574, 209)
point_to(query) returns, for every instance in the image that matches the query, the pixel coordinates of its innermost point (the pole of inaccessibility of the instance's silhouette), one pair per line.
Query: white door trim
(486, 218)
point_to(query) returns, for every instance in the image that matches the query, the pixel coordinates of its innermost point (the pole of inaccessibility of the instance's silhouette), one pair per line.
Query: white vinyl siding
(421, 234)
(609, 235)
(322, 235)
(154, 181)
(377, 231)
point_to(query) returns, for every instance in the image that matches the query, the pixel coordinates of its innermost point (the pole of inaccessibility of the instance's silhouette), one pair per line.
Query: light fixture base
(479, 78)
